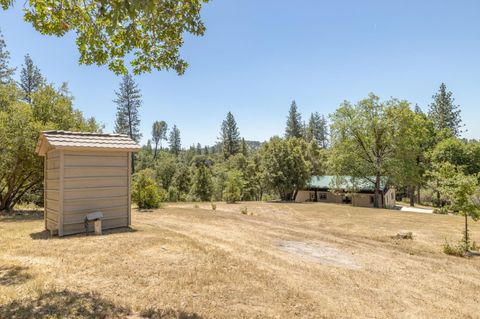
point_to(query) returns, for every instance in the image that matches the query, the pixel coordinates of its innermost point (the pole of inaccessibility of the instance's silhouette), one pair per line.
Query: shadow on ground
(63, 304)
(45, 234)
(168, 314)
(21, 215)
(13, 275)
(68, 304)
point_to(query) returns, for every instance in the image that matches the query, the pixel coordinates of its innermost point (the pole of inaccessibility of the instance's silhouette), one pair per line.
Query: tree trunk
(419, 200)
(412, 196)
(133, 163)
(376, 203)
(466, 238)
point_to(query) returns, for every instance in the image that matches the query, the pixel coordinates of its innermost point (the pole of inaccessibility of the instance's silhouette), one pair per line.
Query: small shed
(85, 173)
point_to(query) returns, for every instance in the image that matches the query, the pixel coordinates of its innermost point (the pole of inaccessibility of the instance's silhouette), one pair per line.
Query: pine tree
(244, 148)
(418, 109)
(6, 72)
(199, 149)
(444, 113)
(159, 133)
(205, 150)
(317, 129)
(294, 122)
(175, 141)
(128, 101)
(230, 136)
(30, 78)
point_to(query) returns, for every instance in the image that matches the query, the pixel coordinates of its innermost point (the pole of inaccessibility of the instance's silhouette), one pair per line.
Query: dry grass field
(280, 261)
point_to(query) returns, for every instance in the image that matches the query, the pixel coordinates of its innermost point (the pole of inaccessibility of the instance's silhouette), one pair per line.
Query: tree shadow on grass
(21, 215)
(13, 275)
(63, 304)
(153, 313)
(69, 304)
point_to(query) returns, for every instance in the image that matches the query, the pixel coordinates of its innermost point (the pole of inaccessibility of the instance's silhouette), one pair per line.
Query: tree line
(420, 152)
(27, 107)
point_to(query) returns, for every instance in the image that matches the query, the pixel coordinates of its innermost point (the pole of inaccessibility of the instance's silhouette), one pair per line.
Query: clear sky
(257, 56)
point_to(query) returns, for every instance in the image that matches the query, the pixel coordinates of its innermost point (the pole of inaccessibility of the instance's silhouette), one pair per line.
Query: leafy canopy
(110, 31)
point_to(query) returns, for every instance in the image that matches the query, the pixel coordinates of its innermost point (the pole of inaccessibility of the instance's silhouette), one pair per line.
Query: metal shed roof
(345, 183)
(84, 141)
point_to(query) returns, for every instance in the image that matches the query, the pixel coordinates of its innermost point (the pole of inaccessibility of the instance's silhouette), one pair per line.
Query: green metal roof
(346, 183)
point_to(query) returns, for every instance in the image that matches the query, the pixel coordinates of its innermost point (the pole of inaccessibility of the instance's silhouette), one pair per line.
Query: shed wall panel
(95, 181)
(88, 182)
(106, 224)
(94, 172)
(95, 161)
(94, 192)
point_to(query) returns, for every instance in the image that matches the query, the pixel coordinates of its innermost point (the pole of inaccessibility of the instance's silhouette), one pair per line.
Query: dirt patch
(321, 253)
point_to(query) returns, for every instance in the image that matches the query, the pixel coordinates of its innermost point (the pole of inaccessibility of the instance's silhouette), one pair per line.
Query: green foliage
(285, 165)
(317, 130)
(173, 194)
(165, 168)
(365, 138)
(21, 170)
(294, 122)
(159, 133)
(145, 192)
(30, 78)
(233, 186)
(6, 72)
(202, 179)
(462, 192)
(444, 113)
(128, 102)
(459, 250)
(175, 141)
(109, 32)
(244, 210)
(230, 136)
(214, 206)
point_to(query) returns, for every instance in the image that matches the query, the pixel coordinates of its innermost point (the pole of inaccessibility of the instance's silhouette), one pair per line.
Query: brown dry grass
(187, 262)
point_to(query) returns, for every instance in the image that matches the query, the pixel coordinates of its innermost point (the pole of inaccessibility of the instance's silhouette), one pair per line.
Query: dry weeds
(185, 262)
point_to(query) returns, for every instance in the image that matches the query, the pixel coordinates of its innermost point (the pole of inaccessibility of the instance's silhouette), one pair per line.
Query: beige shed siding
(95, 181)
(85, 173)
(52, 194)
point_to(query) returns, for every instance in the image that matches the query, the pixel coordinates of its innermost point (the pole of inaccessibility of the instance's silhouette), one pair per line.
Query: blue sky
(257, 56)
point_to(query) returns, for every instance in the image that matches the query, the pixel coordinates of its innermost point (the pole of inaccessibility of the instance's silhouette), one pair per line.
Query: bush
(145, 192)
(441, 210)
(173, 194)
(214, 206)
(233, 186)
(244, 210)
(458, 250)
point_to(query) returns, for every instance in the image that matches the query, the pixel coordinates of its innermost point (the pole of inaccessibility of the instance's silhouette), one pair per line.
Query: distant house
(346, 190)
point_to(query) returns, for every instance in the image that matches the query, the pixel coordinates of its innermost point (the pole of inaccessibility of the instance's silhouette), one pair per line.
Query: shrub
(173, 194)
(441, 210)
(458, 250)
(244, 210)
(214, 206)
(233, 186)
(145, 192)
